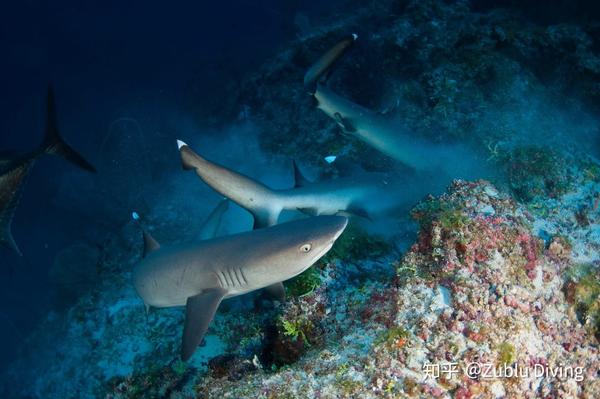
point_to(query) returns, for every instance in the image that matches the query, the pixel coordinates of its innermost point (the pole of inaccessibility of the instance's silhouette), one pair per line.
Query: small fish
(14, 169)
(330, 158)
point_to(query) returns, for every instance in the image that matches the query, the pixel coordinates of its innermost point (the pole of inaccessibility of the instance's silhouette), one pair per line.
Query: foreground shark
(14, 170)
(378, 130)
(343, 196)
(199, 276)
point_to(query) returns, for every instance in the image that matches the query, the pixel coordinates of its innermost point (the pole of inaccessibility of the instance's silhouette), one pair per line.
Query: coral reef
(480, 286)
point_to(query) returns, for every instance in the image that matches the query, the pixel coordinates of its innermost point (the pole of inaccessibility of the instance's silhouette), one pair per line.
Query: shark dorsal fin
(150, 244)
(200, 310)
(299, 179)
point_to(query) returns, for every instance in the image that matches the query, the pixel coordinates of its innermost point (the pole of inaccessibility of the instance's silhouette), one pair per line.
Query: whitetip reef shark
(199, 276)
(378, 130)
(343, 196)
(211, 225)
(15, 169)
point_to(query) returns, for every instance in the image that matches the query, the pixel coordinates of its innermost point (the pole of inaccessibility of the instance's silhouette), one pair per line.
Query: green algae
(536, 171)
(305, 283)
(449, 215)
(506, 353)
(389, 336)
(296, 329)
(583, 292)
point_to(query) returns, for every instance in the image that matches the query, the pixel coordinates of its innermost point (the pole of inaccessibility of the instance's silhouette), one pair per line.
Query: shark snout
(338, 225)
(343, 222)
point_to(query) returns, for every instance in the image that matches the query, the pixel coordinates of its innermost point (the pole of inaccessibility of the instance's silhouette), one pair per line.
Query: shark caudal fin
(54, 144)
(264, 204)
(325, 63)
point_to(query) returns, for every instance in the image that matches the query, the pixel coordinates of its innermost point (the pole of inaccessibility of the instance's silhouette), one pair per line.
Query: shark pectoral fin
(200, 310)
(354, 211)
(276, 291)
(211, 225)
(299, 179)
(344, 123)
(150, 244)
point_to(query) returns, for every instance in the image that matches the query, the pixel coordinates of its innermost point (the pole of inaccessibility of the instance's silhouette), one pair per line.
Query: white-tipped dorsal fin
(150, 244)
(354, 36)
(181, 144)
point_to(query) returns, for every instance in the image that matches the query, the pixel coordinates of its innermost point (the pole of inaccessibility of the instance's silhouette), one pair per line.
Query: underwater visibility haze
(300, 199)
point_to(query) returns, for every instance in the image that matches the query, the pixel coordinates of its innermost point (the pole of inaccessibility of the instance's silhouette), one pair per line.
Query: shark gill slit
(243, 276)
(220, 280)
(238, 277)
(225, 282)
(232, 276)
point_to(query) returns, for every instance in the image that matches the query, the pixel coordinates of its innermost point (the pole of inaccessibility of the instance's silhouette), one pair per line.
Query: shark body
(15, 169)
(375, 129)
(381, 132)
(199, 276)
(343, 196)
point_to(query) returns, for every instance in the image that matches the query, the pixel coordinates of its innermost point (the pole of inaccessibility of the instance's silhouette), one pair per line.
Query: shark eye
(305, 248)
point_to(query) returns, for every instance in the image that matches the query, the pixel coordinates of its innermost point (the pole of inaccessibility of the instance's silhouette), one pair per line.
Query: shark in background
(356, 195)
(381, 132)
(200, 275)
(14, 170)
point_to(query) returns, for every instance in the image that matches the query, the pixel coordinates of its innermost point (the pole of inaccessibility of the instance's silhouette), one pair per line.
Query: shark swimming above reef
(380, 131)
(200, 275)
(347, 196)
(14, 170)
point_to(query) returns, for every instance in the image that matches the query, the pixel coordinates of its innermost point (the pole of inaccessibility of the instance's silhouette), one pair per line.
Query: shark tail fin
(324, 64)
(265, 206)
(54, 144)
(188, 156)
